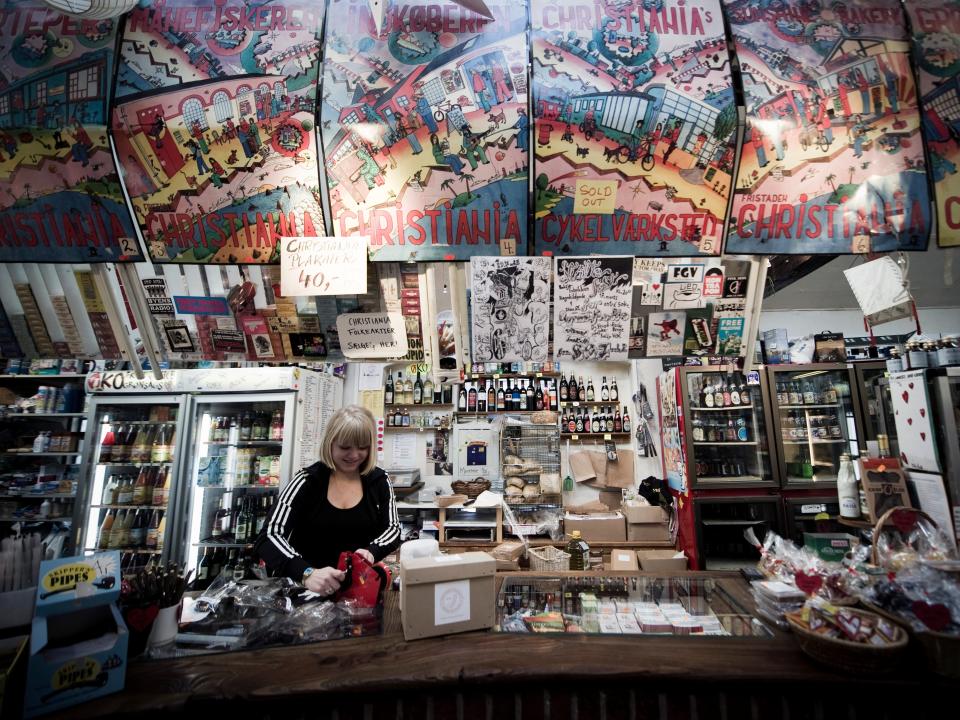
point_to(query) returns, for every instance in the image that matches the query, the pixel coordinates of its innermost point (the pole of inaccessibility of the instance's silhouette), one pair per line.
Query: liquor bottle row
(717, 464)
(137, 443)
(251, 425)
(603, 421)
(574, 390)
(239, 520)
(719, 429)
(797, 425)
(729, 391)
(54, 441)
(221, 561)
(415, 392)
(132, 529)
(52, 508)
(150, 487)
(248, 467)
(807, 392)
(404, 418)
(51, 399)
(918, 354)
(507, 395)
(510, 368)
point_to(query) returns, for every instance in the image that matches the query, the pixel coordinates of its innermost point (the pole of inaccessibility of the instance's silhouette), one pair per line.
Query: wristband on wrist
(306, 573)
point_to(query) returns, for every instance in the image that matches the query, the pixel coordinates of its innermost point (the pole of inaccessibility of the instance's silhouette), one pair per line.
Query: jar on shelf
(916, 355)
(948, 354)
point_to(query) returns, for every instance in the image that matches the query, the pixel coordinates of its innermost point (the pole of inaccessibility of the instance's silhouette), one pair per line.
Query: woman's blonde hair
(350, 426)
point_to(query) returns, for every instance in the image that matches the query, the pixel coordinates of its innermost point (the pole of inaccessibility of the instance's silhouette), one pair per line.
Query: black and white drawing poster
(592, 308)
(510, 308)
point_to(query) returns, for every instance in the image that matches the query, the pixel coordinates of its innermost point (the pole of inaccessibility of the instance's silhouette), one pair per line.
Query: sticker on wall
(665, 333)
(637, 94)
(213, 122)
(936, 52)
(425, 128)
(832, 160)
(591, 318)
(60, 196)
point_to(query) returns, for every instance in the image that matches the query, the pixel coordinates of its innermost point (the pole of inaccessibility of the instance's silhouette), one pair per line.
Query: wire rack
(538, 446)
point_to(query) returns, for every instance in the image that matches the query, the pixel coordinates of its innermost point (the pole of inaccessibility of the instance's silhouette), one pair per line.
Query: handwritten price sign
(323, 266)
(595, 196)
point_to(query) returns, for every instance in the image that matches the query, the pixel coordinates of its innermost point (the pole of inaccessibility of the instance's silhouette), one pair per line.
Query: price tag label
(607, 436)
(753, 378)
(574, 437)
(539, 374)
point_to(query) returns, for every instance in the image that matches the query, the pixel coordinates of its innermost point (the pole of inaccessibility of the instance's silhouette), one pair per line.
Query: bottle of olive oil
(579, 552)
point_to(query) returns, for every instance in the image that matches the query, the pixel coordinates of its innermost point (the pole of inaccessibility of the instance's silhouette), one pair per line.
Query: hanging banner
(936, 51)
(425, 127)
(832, 160)
(592, 308)
(510, 308)
(323, 266)
(60, 196)
(637, 95)
(214, 126)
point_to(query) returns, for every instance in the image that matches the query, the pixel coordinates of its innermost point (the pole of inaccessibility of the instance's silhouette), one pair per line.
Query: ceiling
(934, 280)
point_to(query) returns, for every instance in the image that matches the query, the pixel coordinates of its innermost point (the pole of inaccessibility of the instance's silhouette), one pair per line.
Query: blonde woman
(342, 503)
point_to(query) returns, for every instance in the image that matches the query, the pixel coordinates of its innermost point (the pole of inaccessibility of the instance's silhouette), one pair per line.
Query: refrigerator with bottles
(186, 468)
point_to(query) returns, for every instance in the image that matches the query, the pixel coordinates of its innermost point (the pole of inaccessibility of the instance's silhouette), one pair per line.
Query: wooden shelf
(589, 403)
(721, 409)
(732, 523)
(414, 427)
(510, 376)
(26, 376)
(598, 435)
(499, 412)
(135, 551)
(413, 406)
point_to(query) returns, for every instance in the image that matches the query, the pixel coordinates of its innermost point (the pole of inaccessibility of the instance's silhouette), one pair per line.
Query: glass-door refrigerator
(815, 422)
(129, 476)
(872, 390)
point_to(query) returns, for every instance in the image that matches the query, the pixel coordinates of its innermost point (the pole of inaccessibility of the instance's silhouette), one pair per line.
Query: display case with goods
(815, 420)
(872, 390)
(41, 445)
(530, 469)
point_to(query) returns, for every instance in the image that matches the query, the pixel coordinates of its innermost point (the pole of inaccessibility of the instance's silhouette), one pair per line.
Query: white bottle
(848, 490)
(38, 443)
(45, 508)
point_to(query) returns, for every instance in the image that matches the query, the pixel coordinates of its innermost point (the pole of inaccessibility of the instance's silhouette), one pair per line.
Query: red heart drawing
(909, 421)
(936, 616)
(923, 412)
(905, 396)
(910, 385)
(904, 520)
(809, 584)
(656, 286)
(139, 619)
(923, 436)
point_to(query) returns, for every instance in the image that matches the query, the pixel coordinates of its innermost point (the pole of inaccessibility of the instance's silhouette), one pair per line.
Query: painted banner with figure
(60, 195)
(936, 52)
(832, 160)
(425, 128)
(636, 94)
(213, 121)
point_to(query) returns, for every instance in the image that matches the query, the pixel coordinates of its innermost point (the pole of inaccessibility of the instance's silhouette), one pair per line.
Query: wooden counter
(493, 675)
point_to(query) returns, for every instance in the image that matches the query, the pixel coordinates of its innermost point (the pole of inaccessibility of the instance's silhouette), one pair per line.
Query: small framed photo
(70, 367)
(179, 338)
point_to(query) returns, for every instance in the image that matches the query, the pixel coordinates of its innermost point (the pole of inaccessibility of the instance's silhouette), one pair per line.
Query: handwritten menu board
(510, 308)
(592, 308)
(319, 398)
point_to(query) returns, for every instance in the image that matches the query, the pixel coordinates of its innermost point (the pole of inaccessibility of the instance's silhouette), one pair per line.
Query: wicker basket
(470, 488)
(848, 655)
(548, 558)
(882, 520)
(941, 651)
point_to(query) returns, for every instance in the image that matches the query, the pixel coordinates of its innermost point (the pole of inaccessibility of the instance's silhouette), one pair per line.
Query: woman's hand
(365, 554)
(325, 581)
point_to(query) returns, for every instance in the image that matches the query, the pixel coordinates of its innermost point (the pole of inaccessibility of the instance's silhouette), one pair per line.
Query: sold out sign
(595, 196)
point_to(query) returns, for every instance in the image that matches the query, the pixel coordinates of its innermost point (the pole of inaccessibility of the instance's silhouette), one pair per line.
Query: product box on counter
(829, 546)
(74, 583)
(622, 559)
(507, 555)
(75, 657)
(646, 523)
(446, 594)
(662, 561)
(776, 346)
(597, 527)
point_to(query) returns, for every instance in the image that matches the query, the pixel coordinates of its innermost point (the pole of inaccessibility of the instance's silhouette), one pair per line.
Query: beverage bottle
(727, 397)
(579, 552)
(539, 397)
(731, 434)
(618, 423)
(610, 424)
(848, 490)
(626, 420)
(139, 445)
(246, 426)
(153, 531)
(161, 489)
(743, 432)
(418, 391)
(138, 531)
(571, 423)
(161, 530)
(103, 538)
(573, 391)
(462, 398)
(706, 399)
(581, 389)
(595, 424)
(563, 389)
(45, 508)
(482, 396)
(491, 397)
(140, 487)
(216, 563)
(718, 395)
(530, 397)
(276, 426)
(744, 393)
(408, 391)
(240, 532)
(428, 392)
(116, 531)
(579, 426)
(734, 394)
(109, 495)
(106, 447)
(590, 392)
(387, 393)
(809, 396)
(604, 390)
(203, 579)
(614, 391)
(230, 567)
(125, 491)
(472, 399)
(258, 431)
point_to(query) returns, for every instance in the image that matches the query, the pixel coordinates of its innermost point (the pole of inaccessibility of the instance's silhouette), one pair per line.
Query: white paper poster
(323, 266)
(592, 308)
(451, 602)
(932, 497)
(911, 413)
(510, 308)
(372, 335)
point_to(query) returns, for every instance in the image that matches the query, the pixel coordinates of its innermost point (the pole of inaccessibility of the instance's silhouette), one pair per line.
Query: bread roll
(532, 490)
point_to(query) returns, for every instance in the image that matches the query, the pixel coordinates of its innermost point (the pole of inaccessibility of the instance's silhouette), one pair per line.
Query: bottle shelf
(12, 453)
(131, 507)
(725, 408)
(253, 486)
(414, 406)
(510, 376)
(423, 428)
(41, 378)
(31, 496)
(499, 412)
(139, 422)
(41, 416)
(244, 443)
(134, 464)
(34, 518)
(813, 442)
(806, 407)
(580, 435)
(588, 403)
(725, 442)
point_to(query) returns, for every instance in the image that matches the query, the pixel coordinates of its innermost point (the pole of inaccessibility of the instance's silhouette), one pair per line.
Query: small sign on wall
(323, 266)
(372, 335)
(595, 196)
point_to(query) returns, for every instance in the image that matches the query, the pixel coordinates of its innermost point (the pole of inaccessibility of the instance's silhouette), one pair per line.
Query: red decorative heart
(936, 616)
(923, 436)
(904, 520)
(905, 396)
(923, 412)
(910, 385)
(909, 421)
(656, 286)
(140, 619)
(809, 584)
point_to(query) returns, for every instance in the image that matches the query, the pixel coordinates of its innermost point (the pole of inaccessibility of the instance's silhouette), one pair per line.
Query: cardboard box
(75, 583)
(644, 513)
(829, 546)
(446, 594)
(648, 532)
(611, 498)
(621, 559)
(662, 561)
(599, 527)
(75, 657)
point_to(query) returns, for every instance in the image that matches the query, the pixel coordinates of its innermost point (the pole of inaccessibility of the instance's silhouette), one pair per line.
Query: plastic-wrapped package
(923, 595)
(919, 540)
